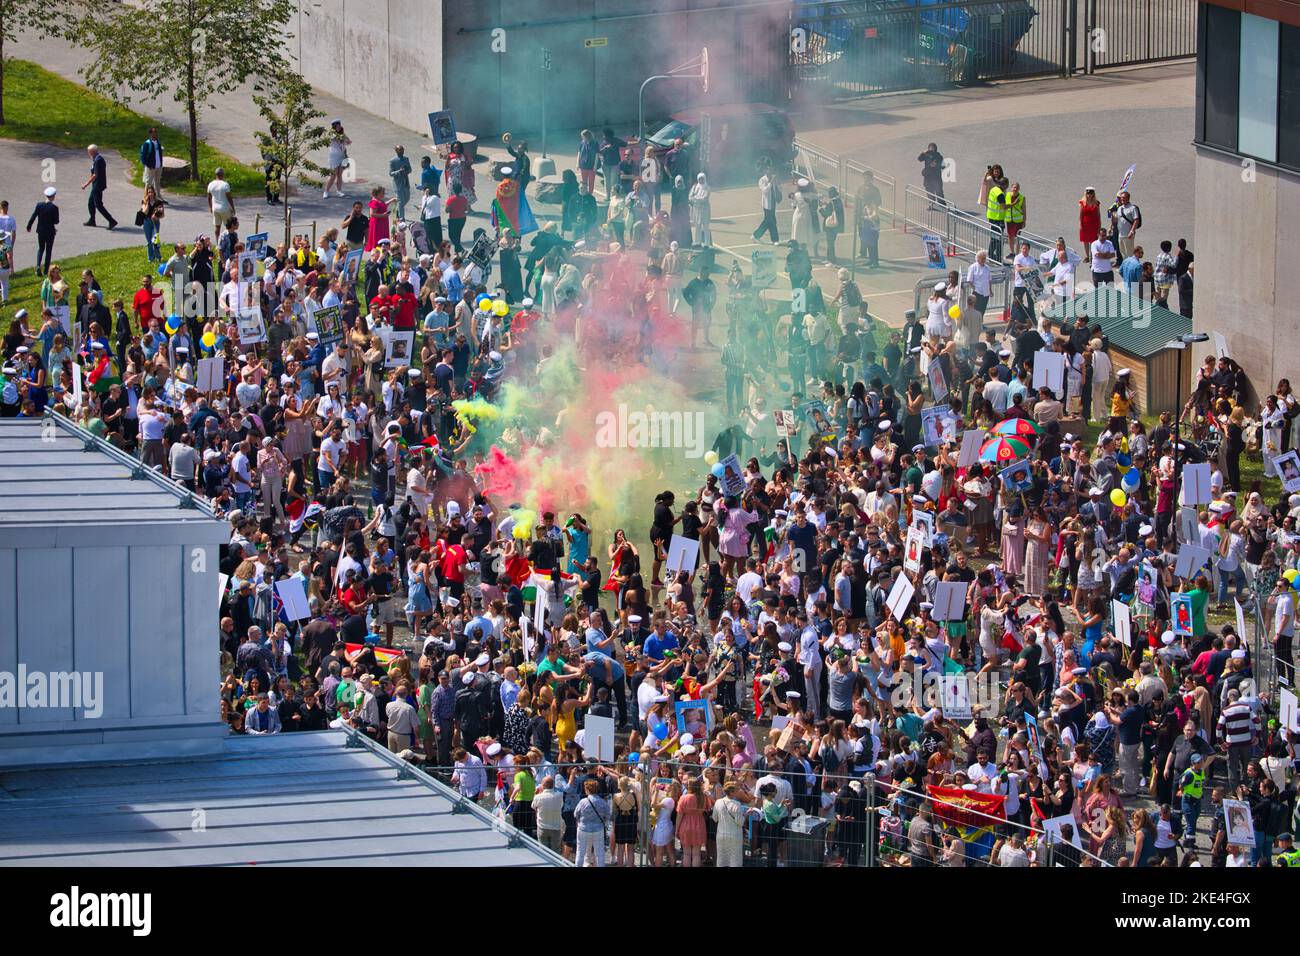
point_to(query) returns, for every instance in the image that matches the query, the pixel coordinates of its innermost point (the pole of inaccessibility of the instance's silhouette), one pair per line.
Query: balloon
(482, 297)
(1132, 479)
(1118, 498)
(1290, 574)
(162, 268)
(501, 307)
(173, 324)
(717, 470)
(710, 457)
(485, 305)
(209, 340)
(954, 312)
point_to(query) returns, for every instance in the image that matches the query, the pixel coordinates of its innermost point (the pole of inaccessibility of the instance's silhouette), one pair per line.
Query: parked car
(730, 140)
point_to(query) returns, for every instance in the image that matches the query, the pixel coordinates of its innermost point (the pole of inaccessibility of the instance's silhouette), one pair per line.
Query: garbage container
(805, 841)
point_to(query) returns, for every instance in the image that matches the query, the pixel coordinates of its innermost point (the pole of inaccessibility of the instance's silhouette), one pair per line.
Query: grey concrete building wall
(402, 59)
(1244, 233)
(598, 85)
(382, 55)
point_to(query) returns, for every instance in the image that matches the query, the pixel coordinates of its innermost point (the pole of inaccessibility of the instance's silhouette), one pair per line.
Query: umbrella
(1016, 427)
(1003, 448)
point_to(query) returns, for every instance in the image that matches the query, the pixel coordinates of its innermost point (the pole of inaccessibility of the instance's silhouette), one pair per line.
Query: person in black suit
(797, 771)
(98, 182)
(46, 217)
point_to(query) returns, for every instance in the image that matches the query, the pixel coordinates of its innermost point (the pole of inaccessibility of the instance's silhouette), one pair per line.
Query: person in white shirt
(1023, 264)
(332, 449)
(221, 204)
(979, 277)
(997, 395)
(983, 772)
(1103, 261)
(334, 367)
(1284, 612)
(747, 583)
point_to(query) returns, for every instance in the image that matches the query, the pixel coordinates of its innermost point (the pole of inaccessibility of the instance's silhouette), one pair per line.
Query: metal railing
(822, 167)
(963, 233)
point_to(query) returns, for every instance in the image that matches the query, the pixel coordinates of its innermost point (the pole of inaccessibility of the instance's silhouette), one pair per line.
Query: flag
(510, 212)
(300, 513)
(970, 813)
(384, 655)
(103, 375)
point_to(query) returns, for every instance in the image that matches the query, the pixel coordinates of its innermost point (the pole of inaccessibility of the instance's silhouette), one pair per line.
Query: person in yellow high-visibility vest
(996, 211)
(1014, 201)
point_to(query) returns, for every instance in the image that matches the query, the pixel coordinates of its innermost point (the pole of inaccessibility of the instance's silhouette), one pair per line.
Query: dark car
(730, 140)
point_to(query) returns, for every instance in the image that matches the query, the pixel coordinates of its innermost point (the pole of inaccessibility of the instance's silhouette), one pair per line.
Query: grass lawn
(119, 272)
(41, 107)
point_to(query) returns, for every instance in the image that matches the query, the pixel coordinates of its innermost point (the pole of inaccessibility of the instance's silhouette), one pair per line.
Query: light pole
(1181, 344)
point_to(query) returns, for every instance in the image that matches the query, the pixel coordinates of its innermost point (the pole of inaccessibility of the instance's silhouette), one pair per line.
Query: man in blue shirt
(604, 671)
(660, 640)
(597, 640)
(1130, 270)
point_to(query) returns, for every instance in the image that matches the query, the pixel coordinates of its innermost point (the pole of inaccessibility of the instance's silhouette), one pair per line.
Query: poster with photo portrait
(397, 348)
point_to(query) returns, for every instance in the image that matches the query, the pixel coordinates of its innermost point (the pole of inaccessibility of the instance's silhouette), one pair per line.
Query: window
(1257, 115)
(1220, 69)
(1288, 104)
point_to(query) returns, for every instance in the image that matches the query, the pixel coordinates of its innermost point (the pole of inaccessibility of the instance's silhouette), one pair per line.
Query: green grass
(41, 107)
(119, 272)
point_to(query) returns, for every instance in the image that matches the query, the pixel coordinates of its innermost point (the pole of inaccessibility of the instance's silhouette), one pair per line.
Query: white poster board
(210, 373)
(1287, 469)
(397, 348)
(1049, 371)
(912, 550)
(971, 440)
(683, 554)
(1241, 826)
(1052, 830)
(598, 741)
(539, 610)
(900, 596)
(1220, 345)
(1241, 618)
(1289, 711)
(1196, 484)
(949, 601)
(223, 582)
(956, 697)
(1191, 558)
(1123, 622)
(529, 644)
(252, 328)
(295, 599)
(76, 386)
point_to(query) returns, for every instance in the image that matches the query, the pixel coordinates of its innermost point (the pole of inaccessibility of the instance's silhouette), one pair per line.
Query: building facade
(1248, 183)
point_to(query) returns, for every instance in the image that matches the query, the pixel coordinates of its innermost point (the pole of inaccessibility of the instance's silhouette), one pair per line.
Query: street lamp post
(1181, 344)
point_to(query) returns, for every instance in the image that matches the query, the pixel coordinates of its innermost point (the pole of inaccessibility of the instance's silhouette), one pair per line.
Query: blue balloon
(162, 268)
(1132, 479)
(718, 471)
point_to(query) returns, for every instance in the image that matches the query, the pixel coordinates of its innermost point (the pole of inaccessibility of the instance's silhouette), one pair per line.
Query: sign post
(546, 68)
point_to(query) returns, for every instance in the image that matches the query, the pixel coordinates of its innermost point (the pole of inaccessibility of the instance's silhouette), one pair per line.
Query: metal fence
(824, 168)
(879, 837)
(845, 49)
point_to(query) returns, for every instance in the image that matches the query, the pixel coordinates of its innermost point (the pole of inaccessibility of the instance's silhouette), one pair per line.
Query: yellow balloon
(710, 457)
(954, 312)
(209, 340)
(1118, 498)
(501, 307)
(1290, 574)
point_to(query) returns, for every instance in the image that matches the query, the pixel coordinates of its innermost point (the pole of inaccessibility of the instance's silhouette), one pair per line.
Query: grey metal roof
(1133, 325)
(292, 799)
(56, 475)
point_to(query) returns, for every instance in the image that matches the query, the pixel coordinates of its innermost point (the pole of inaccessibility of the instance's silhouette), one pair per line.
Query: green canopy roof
(1132, 325)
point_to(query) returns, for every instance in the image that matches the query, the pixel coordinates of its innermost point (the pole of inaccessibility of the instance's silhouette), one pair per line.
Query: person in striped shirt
(1238, 729)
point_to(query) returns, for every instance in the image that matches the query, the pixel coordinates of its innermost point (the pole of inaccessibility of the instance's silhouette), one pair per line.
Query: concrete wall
(401, 59)
(491, 93)
(384, 56)
(1245, 232)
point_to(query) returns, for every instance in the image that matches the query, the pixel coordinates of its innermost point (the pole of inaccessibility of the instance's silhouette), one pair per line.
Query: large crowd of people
(770, 704)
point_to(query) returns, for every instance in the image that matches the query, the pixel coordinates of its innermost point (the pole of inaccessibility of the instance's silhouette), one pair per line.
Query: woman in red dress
(1089, 221)
(378, 228)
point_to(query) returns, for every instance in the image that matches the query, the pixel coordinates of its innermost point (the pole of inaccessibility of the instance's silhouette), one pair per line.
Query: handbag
(139, 217)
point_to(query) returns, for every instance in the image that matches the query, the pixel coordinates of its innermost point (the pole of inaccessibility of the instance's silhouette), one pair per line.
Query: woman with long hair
(626, 808)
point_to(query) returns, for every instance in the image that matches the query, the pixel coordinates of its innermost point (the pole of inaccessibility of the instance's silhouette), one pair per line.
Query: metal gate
(857, 47)
(1129, 32)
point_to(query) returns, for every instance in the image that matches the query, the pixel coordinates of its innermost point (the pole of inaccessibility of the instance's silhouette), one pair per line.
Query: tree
(196, 50)
(15, 17)
(293, 133)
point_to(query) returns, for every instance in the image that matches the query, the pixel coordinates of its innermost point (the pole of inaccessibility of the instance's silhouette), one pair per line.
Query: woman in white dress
(938, 324)
(1103, 373)
(700, 213)
(338, 157)
(1273, 418)
(802, 227)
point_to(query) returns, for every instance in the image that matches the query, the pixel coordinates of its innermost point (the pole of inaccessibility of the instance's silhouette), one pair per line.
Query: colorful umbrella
(1015, 427)
(1003, 448)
